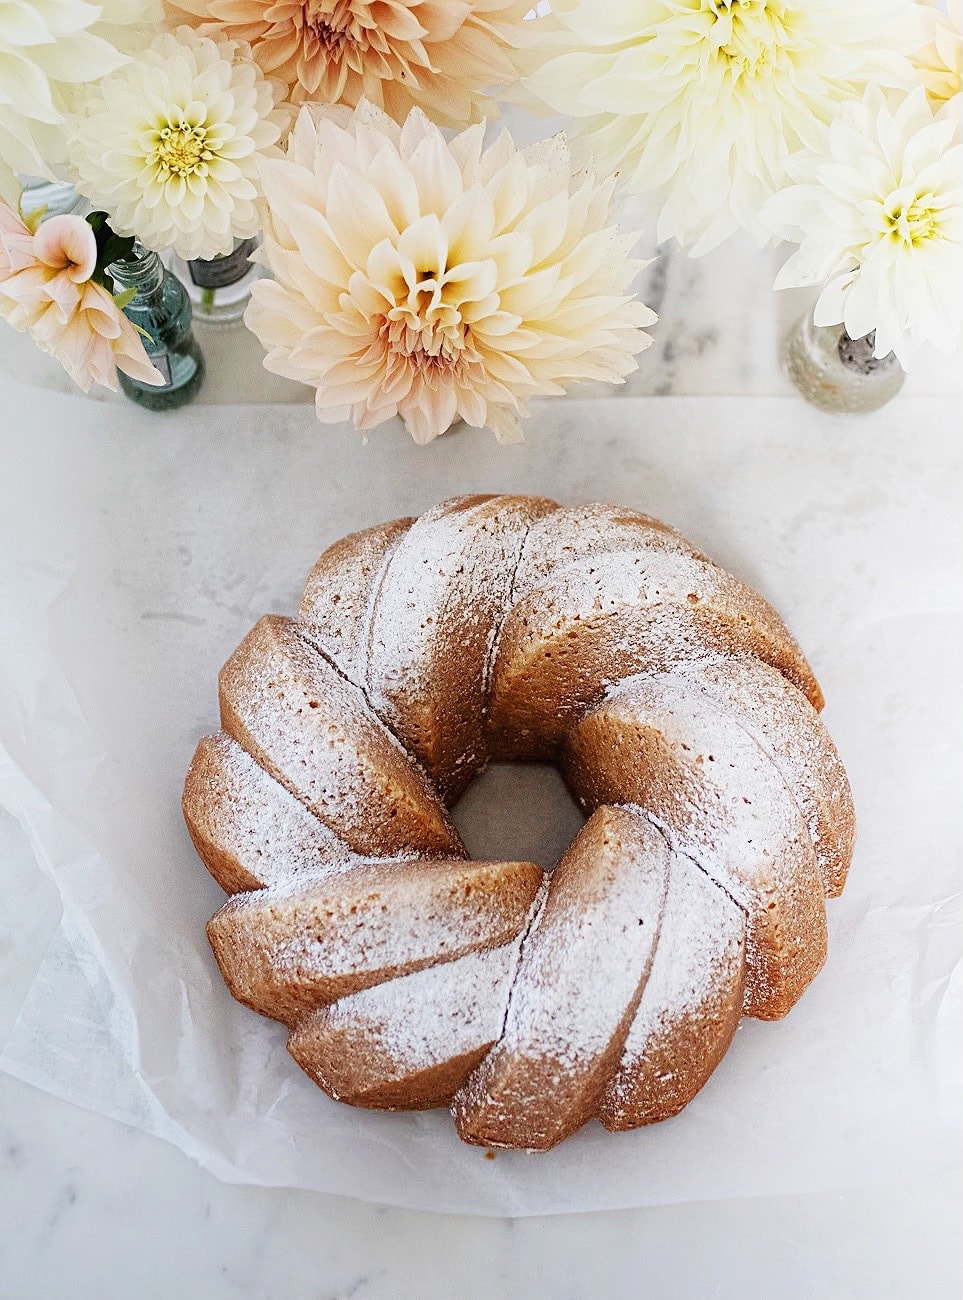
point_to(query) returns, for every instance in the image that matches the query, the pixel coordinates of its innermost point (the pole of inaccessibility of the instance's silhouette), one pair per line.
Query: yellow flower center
(181, 149)
(748, 35)
(912, 222)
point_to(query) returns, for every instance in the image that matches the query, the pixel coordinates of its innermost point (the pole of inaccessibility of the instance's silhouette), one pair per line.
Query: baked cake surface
(685, 721)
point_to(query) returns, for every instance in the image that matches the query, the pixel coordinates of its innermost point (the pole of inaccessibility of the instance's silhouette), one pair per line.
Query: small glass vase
(220, 287)
(837, 373)
(162, 309)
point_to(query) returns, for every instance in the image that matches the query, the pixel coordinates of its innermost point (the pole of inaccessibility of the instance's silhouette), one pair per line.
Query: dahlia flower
(49, 48)
(168, 144)
(437, 279)
(438, 54)
(939, 62)
(47, 290)
(700, 101)
(878, 216)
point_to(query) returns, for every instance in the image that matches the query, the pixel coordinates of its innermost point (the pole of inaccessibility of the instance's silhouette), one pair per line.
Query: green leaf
(110, 248)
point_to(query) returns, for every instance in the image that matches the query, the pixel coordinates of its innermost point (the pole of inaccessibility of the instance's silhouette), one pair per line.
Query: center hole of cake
(518, 812)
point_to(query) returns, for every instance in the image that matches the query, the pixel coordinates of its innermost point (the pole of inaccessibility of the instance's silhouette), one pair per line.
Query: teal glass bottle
(161, 308)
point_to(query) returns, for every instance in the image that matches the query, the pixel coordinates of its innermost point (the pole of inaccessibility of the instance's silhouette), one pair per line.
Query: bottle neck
(144, 272)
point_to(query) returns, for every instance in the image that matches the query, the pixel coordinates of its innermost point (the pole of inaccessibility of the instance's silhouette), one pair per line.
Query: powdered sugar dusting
(444, 590)
(598, 930)
(340, 595)
(313, 732)
(233, 804)
(629, 583)
(700, 948)
(572, 534)
(611, 616)
(422, 1020)
(296, 946)
(690, 1006)
(728, 807)
(790, 732)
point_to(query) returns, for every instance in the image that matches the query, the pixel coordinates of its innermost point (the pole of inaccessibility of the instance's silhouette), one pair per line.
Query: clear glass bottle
(837, 373)
(162, 309)
(220, 287)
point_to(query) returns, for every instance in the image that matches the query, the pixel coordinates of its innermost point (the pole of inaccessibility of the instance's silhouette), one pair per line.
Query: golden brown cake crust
(685, 720)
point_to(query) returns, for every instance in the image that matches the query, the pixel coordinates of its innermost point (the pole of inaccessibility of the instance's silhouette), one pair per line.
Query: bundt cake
(685, 722)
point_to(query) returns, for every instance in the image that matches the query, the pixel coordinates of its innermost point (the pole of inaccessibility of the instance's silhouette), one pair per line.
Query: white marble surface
(91, 1208)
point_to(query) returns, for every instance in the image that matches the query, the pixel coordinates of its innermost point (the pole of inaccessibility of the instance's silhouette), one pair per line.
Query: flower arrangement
(440, 277)
(698, 102)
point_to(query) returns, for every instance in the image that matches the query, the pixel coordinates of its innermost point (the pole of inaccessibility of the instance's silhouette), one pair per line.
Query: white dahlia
(700, 101)
(939, 62)
(878, 216)
(49, 49)
(439, 54)
(169, 143)
(436, 279)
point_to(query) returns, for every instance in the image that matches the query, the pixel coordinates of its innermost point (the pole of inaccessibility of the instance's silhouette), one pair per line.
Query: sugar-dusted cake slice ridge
(690, 1006)
(286, 950)
(249, 830)
(582, 970)
(615, 615)
(784, 724)
(443, 594)
(336, 606)
(313, 732)
(411, 1042)
(659, 744)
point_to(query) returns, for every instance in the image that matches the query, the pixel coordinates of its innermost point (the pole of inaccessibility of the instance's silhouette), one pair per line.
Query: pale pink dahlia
(46, 289)
(435, 279)
(439, 54)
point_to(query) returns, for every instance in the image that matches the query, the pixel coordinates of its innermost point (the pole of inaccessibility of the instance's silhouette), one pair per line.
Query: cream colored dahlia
(700, 101)
(434, 279)
(46, 289)
(878, 216)
(49, 49)
(939, 61)
(169, 143)
(438, 54)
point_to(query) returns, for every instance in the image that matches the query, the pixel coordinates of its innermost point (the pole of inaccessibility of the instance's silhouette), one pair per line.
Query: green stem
(207, 298)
